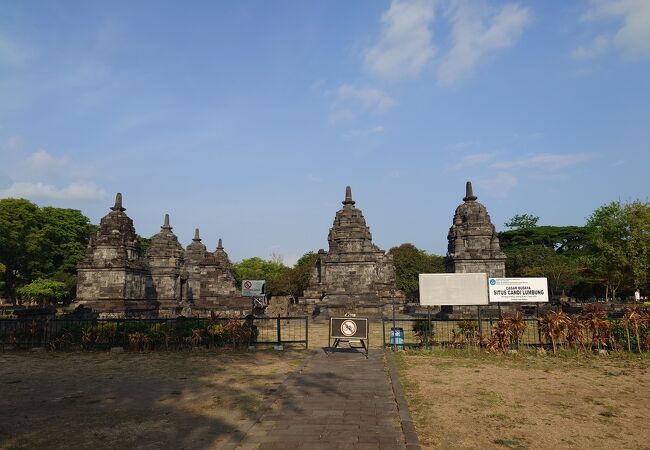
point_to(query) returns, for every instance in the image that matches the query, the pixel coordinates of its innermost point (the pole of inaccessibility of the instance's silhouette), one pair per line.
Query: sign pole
(393, 331)
(428, 327)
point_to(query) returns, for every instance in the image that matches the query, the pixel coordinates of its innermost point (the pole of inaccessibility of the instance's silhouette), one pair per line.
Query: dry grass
(461, 399)
(134, 400)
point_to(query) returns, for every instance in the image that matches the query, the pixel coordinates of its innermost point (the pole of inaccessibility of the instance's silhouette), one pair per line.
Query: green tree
(554, 252)
(569, 240)
(66, 234)
(260, 269)
(21, 239)
(522, 221)
(620, 242)
(44, 292)
(561, 271)
(409, 262)
(40, 243)
(144, 244)
(295, 280)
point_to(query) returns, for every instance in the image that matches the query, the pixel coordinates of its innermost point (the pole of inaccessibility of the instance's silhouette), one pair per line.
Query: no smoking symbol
(248, 284)
(348, 328)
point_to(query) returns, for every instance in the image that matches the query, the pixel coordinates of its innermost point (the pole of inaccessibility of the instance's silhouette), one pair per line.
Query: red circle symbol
(248, 284)
(348, 328)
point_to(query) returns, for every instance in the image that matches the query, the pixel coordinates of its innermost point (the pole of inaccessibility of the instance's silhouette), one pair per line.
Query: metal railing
(153, 334)
(444, 332)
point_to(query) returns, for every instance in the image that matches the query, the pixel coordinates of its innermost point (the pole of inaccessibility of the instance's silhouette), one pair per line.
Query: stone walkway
(338, 401)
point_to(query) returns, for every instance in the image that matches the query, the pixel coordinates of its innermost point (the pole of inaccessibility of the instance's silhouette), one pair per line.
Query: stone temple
(354, 276)
(473, 242)
(117, 279)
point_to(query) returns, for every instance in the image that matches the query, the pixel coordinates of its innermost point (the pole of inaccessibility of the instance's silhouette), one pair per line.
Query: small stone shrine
(473, 241)
(115, 280)
(217, 282)
(165, 258)
(113, 276)
(354, 276)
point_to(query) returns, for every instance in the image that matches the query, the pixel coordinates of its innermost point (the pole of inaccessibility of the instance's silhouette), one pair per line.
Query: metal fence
(429, 332)
(153, 333)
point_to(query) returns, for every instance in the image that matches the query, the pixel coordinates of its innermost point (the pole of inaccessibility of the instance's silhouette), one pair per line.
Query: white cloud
(499, 185)
(633, 36)
(473, 160)
(368, 99)
(504, 172)
(598, 46)
(545, 160)
(41, 159)
(73, 191)
(478, 32)
(406, 43)
(350, 101)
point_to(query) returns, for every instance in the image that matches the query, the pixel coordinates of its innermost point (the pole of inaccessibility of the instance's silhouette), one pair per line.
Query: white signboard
(437, 289)
(521, 290)
(252, 288)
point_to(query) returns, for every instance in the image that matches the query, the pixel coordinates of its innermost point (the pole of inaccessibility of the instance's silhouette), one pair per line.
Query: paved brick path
(340, 401)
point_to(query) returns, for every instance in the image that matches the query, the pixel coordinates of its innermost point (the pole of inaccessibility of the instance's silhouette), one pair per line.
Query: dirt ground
(470, 401)
(97, 400)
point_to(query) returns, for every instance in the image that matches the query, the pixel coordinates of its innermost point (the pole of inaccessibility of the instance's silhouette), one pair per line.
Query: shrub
(423, 330)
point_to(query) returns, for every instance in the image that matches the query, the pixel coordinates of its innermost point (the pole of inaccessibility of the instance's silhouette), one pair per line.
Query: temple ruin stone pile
(354, 275)
(115, 279)
(473, 241)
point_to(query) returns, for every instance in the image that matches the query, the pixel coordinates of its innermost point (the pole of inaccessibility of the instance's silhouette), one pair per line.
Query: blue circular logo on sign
(493, 281)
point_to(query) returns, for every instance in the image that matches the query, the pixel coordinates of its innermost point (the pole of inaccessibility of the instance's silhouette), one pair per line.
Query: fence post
(383, 331)
(306, 331)
(278, 346)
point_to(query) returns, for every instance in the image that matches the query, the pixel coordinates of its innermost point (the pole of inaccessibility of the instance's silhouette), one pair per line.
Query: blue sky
(249, 118)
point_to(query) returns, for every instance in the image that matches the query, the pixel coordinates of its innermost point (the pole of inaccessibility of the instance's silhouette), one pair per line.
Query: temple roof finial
(219, 245)
(118, 203)
(197, 238)
(348, 196)
(469, 193)
(166, 224)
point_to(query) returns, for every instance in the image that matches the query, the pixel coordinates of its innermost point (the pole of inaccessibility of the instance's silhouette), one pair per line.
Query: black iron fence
(444, 332)
(153, 334)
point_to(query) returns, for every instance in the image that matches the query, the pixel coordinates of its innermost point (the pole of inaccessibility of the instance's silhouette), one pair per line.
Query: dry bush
(554, 326)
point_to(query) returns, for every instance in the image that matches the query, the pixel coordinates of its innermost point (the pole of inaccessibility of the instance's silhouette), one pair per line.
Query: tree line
(607, 257)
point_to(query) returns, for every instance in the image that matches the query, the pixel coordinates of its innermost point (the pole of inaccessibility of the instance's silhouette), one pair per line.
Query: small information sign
(253, 288)
(518, 290)
(348, 329)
